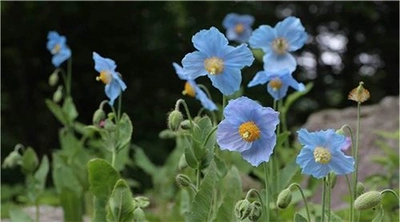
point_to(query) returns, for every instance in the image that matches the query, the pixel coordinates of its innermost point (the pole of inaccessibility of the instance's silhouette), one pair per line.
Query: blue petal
(293, 31)
(101, 63)
(61, 57)
(232, 19)
(228, 81)
(278, 94)
(260, 150)
(307, 138)
(112, 91)
(193, 64)
(274, 62)
(289, 80)
(179, 71)
(240, 110)
(266, 120)
(237, 57)
(262, 38)
(205, 101)
(341, 164)
(228, 137)
(260, 78)
(117, 78)
(209, 41)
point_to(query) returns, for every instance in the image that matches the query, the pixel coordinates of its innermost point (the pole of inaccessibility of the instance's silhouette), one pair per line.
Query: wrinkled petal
(289, 80)
(179, 71)
(61, 57)
(205, 101)
(263, 37)
(236, 114)
(274, 62)
(260, 78)
(341, 164)
(117, 78)
(293, 31)
(228, 138)
(307, 138)
(237, 57)
(228, 81)
(101, 63)
(209, 41)
(260, 151)
(112, 91)
(193, 64)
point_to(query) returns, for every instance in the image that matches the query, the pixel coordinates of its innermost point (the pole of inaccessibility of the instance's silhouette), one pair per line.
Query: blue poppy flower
(248, 128)
(238, 27)
(57, 45)
(321, 153)
(193, 90)
(278, 82)
(215, 58)
(114, 84)
(277, 43)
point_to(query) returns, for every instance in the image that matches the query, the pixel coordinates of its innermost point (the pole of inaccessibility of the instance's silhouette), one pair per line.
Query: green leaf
(201, 131)
(30, 161)
(380, 215)
(142, 161)
(287, 174)
(203, 200)
(69, 109)
(296, 95)
(121, 205)
(57, 111)
(41, 173)
(69, 143)
(282, 137)
(125, 131)
(232, 192)
(102, 177)
(71, 203)
(184, 201)
(190, 159)
(18, 215)
(138, 215)
(299, 218)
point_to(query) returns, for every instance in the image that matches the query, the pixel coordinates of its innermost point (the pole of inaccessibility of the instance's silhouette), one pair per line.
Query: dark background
(144, 38)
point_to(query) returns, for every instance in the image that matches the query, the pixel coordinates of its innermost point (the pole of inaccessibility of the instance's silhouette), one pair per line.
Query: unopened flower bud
(284, 198)
(256, 211)
(142, 201)
(98, 116)
(167, 134)
(53, 78)
(359, 94)
(242, 209)
(174, 120)
(341, 132)
(58, 94)
(182, 164)
(182, 180)
(360, 189)
(185, 124)
(12, 160)
(368, 200)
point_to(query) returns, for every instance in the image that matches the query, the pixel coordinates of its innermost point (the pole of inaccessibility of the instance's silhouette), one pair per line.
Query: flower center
(105, 77)
(56, 49)
(275, 84)
(189, 90)
(239, 28)
(214, 65)
(322, 155)
(249, 131)
(280, 46)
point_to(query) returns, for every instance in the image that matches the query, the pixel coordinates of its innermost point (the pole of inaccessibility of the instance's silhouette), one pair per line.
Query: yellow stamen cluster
(56, 49)
(105, 77)
(214, 65)
(189, 90)
(249, 131)
(322, 155)
(239, 28)
(359, 94)
(275, 84)
(280, 46)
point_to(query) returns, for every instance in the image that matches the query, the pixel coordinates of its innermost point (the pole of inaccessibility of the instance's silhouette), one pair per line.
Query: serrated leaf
(30, 161)
(41, 173)
(102, 177)
(125, 131)
(299, 218)
(57, 111)
(232, 192)
(121, 205)
(142, 161)
(69, 109)
(202, 202)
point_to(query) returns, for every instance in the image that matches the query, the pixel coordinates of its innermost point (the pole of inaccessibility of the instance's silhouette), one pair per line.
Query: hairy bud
(284, 198)
(174, 120)
(368, 200)
(182, 180)
(256, 211)
(242, 209)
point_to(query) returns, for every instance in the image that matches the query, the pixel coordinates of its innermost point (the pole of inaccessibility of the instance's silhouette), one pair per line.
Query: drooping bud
(53, 78)
(360, 189)
(98, 116)
(182, 180)
(182, 164)
(174, 120)
(142, 201)
(368, 200)
(256, 211)
(13, 159)
(242, 209)
(58, 94)
(185, 124)
(284, 198)
(359, 94)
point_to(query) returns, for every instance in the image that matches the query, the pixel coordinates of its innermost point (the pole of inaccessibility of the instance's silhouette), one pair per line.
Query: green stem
(198, 178)
(351, 198)
(114, 154)
(324, 185)
(329, 197)
(392, 192)
(266, 191)
(304, 199)
(181, 101)
(37, 212)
